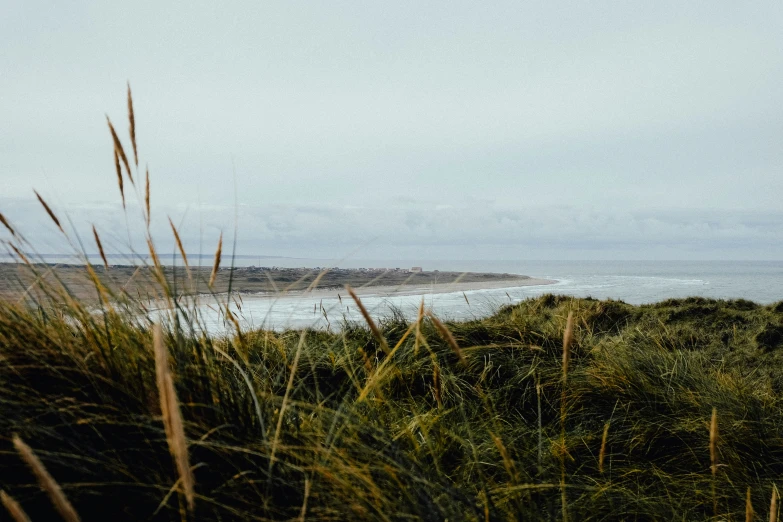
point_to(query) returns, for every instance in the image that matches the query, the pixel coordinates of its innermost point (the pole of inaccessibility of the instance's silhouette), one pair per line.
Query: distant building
(416, 269)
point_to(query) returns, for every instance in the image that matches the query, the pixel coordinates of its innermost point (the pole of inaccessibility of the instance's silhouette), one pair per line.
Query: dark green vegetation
(326, 426)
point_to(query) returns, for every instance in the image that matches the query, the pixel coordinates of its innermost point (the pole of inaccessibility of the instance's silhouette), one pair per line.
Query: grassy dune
(328, 426)
(552, 409)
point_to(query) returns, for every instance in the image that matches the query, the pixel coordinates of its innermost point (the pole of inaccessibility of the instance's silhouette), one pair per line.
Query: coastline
(402, 290)
(257, 282)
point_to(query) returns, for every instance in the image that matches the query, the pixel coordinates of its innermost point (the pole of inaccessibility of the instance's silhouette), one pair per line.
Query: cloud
(449, 128)
(460, 231)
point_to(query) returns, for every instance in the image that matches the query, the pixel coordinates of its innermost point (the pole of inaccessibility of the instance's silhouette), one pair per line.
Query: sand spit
(397, 290)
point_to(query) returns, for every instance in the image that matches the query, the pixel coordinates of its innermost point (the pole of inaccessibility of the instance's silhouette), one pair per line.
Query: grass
(555, 407)
(275, 421)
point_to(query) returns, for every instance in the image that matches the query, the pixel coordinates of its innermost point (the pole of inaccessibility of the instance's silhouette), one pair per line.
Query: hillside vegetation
(464, 421)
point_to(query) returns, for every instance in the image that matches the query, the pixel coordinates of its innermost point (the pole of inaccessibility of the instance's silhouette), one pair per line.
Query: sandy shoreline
(389, 291)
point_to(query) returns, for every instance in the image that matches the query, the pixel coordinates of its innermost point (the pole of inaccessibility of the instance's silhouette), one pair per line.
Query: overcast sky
(638, 130)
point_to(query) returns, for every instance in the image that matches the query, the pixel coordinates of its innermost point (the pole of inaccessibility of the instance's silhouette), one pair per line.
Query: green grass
(80, 389)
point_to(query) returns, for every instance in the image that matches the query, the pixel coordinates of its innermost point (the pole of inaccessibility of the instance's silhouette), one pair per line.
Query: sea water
(634, 282)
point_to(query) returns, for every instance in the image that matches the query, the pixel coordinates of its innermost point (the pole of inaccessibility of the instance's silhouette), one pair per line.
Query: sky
(397, 130)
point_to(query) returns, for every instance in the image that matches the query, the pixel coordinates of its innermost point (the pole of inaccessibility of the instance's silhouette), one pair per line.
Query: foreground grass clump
(669, 411)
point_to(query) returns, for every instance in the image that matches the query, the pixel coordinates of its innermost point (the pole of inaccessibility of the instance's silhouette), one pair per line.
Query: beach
(142, 282)
(407, 289)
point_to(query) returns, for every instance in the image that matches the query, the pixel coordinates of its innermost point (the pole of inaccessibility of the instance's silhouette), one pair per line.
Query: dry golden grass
(284, 403)
(120, 183)
(49, 211)
(13, 508)
(5, 223)
(602, 453)
(179, 243)
(132, 127)
(508, 462)
(436, 384)
(714, 442)
(447, 336)
(714, 457)
(19, 254)
(216, 264)
(317, 280)
(46, 481)
(100, 247)
(172, 417)
(147, 197)
(118, 149)
(376, 332)
(568, 338)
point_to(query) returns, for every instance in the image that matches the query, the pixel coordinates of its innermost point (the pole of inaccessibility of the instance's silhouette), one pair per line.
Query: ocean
(634, 282)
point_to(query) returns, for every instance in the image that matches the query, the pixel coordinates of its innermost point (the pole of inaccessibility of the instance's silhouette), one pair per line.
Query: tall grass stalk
(284, 403)
(568, 337)
(119, 150)
(13, 508)
(47, 483)
(49, 211)
(132, 127)
(366, 315)
(714, 458)
(447, 336)
(602, 452)
(216, 263)
(172, 417)
(5, 223)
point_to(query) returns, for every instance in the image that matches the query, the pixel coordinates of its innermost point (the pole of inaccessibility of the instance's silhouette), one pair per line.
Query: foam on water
(633, 282)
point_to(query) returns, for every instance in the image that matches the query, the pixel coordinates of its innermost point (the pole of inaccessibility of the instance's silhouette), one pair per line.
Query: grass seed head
(568, 337)
(100, 247)
(436, 383)
(179, 242)
(216, 264)
(132, 125)
(19, 253)
(7, 225)
(147, 196)
(368, 319)
(445, 333)
(49, 211)
(46, 481)
(172, 416)
(118, 169)
(602, 453)
(13, 508)
(714, 441)
(119, 150)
